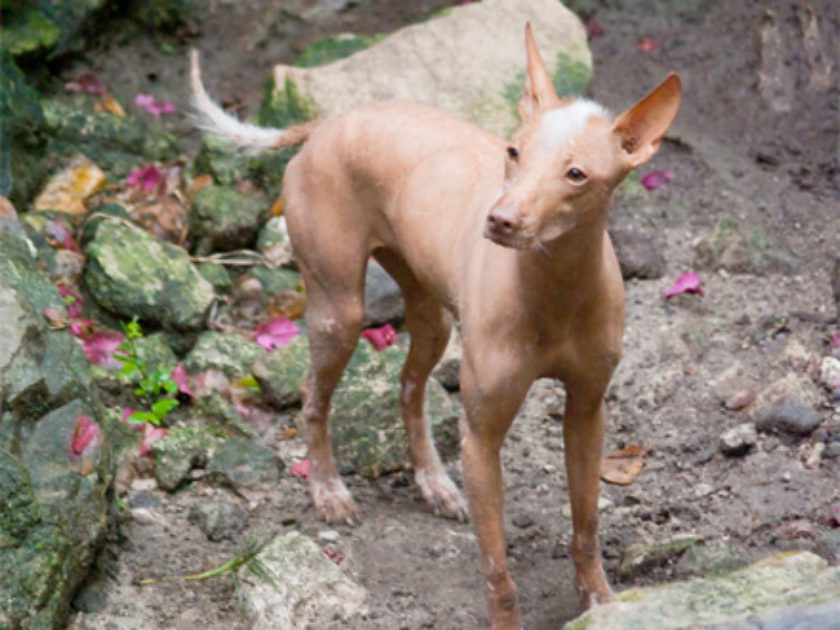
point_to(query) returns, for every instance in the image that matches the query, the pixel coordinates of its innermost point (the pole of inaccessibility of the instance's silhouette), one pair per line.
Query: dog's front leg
(489, 412)
(583, 435)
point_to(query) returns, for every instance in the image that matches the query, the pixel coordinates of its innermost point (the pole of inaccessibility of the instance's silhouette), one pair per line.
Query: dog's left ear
(640, 128)
(539, 90)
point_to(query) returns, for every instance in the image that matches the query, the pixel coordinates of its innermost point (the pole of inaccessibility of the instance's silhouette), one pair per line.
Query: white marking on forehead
(561, 125)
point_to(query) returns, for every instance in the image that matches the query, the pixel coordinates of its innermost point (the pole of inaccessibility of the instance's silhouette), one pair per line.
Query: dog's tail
(213, 119)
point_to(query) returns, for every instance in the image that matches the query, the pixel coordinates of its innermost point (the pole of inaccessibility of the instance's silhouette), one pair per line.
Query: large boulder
(768, 589)
(55, 468)
(129, 272)
(222, 219)
(298, 586)
(365, 423)
(469, 61)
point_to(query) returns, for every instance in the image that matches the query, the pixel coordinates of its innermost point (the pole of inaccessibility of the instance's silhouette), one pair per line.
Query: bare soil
(731, 154)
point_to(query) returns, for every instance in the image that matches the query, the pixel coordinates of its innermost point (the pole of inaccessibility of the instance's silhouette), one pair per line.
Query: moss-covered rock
(217, 275)
(179, 451)
(243, 463)
(117, 144)
(222, 219)
(230, 353)
(787, 579)
(273, 242)
(53, 501)
(275, 281)
(280, 373)
(129, 272)
(214, 407)
(335, 47)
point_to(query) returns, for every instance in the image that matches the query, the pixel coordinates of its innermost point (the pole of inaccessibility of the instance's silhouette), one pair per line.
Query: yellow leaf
(66, 191)
(277, 208)
(111, 105)
(622, 467)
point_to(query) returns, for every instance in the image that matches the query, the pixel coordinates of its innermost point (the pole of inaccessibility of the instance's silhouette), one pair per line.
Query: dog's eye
(512, 153)
(575, 175)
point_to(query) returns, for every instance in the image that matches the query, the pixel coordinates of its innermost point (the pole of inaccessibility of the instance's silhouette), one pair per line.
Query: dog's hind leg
(429, 326)
(334, 311)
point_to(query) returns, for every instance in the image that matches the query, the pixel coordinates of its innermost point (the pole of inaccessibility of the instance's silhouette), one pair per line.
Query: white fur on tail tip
(213, 119)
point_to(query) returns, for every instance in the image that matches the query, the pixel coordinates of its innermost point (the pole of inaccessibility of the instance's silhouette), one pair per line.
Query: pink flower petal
(147, 102)
(54, 315)
(211, 381)
(657, 179)
(276, 333)
(687, 283)
(74, 306)
(151, 434)
(834, 342)
(593, 28)
(381, 337)
(99, 347)
(59, 232)
(86, 84)
(180, 376)
(301, 469)
(80, 327)
(148, 178)
(85, 436)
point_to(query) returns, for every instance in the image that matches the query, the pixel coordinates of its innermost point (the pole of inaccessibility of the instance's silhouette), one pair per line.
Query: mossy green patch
(27, 32)
(334, 48)
(570, 76)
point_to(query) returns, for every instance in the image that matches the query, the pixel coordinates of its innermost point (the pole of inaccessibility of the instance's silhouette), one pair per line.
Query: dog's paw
(333, 502)
(589, 598)
(441, 493)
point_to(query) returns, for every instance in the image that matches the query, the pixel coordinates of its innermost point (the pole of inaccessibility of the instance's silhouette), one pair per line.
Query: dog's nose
(503, 221)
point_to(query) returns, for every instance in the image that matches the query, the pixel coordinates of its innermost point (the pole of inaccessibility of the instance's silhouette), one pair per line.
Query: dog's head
(564, 162)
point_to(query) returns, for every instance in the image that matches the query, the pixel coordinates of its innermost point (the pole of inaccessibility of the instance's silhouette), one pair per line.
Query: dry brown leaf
(166, 218)
(277, 207)
(289, 304)
(202, 181)
(111, 105)
(623, 466)
(66, 191)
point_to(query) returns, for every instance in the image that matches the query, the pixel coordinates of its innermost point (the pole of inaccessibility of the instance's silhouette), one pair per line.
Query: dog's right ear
(539, 90)
(640, 128)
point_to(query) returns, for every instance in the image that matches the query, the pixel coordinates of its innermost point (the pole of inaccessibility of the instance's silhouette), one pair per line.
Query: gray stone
(129, 272)
(640, 255)
(217, 275)
(706, 561)
(830, 372)
(219, 520)
(179, 451)
(383, 298)
(814, 617)
(242, 463)
(835, 283)
(274, 243)
(447, 62)
(54, 502)
(298, 586)
(738, 440)
(280, 373)
(734, 388)
(639, 559)
(766, 587)
(216, 407)
(230, 353)
(223, 219)
(788, 416)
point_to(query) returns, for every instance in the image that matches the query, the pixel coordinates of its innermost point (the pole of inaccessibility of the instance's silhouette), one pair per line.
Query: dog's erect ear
(539, 90)
(641, 127)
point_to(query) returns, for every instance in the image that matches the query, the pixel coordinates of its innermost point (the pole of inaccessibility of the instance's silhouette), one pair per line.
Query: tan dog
(510, 238)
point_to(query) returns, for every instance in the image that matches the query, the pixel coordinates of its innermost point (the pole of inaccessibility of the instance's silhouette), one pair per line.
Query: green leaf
(170, 386)
(163, 406)
(145, 416)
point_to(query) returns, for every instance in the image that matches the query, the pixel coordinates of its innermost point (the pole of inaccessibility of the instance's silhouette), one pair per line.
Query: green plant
(156, 388)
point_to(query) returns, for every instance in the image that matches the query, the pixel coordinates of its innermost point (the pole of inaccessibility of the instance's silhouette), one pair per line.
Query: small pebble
(738, 440)
(523, 520)
(329, 536)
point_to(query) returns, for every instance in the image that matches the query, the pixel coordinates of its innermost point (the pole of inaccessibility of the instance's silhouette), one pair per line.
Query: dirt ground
(731, 154)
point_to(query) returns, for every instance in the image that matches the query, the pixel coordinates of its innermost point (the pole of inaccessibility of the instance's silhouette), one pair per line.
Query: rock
(367, 431)
(813, 617)
(154, 350)
(280, 372)
(706, 561)
(230, 353)
(129, 272)
(118, 144)
(217, 275)
(214, 406)
(301, 587)
(383, 298)
(738, 440)
(275, 282)
(830, 372)
(788, 416)
(768, 586)
(835, 283)
(741, 248)
(57, 26)
(223, 219)
(333, 48)
(54, 503)
(219, 519)
(639, 559)
(22, 141)
(181, 449)
(242, 463)
(445, 62)
(448, 370)
(640, 254)
(274, 243)
(733, 388)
